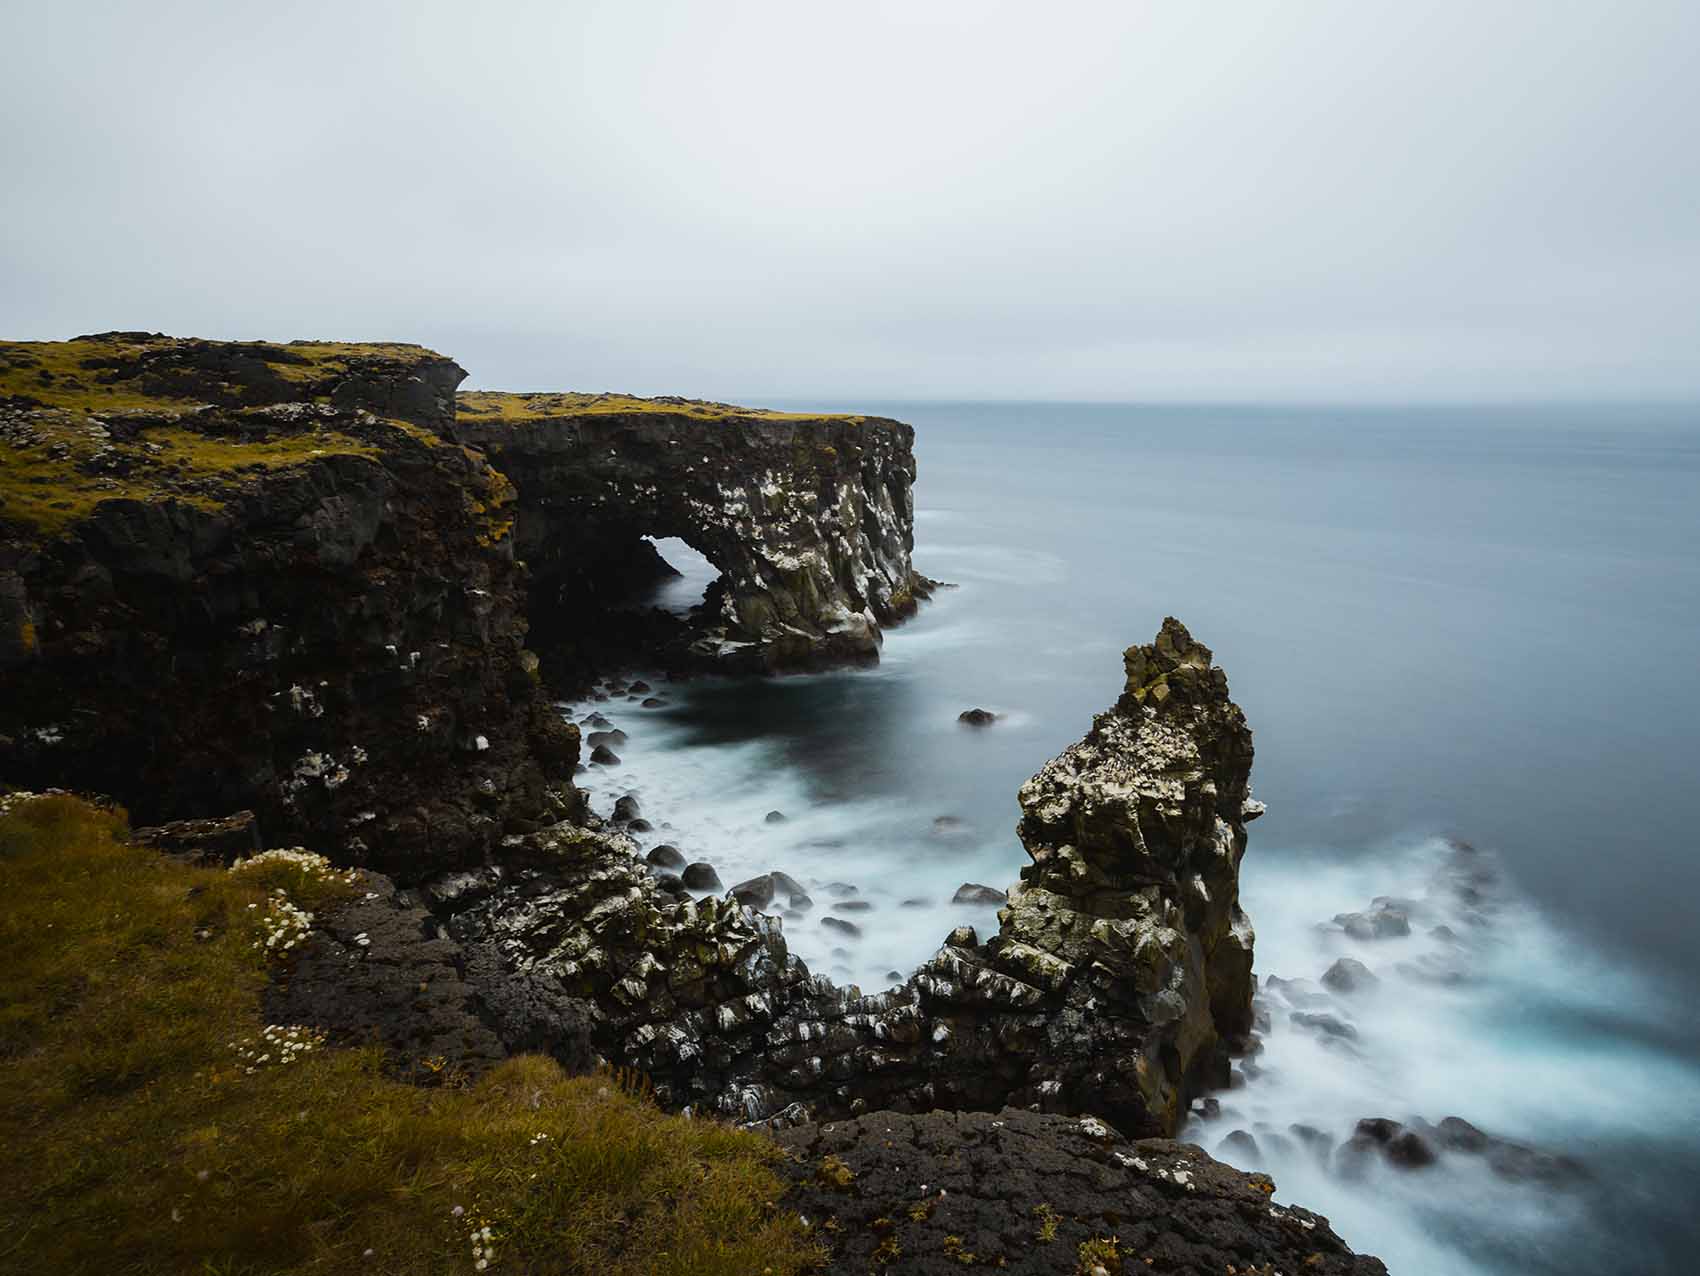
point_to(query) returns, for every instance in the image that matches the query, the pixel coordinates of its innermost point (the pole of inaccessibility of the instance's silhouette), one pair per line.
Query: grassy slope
(66, 469)
(137, 1141)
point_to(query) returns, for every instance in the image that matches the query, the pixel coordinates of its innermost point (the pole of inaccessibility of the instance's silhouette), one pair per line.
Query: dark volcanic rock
(842, 926)
(774, 817)
(606, 756)
(627, 808)
(1021, 1193)
(974, 893)
(204, 842)
(810, 521)
(1399, 1145)
(756, 893)
(332, 636)
(1350, 976)
(1382, 922)
(976, 717)
(701, 877)
(666, 856)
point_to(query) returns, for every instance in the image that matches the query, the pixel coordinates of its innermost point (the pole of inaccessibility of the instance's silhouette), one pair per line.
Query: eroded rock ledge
(809, 518)
(1117, 980)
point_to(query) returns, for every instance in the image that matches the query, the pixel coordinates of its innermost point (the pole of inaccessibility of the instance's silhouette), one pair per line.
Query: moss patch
(139, 1140)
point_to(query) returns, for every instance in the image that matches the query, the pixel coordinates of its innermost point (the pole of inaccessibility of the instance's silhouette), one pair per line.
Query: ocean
(1444, 624)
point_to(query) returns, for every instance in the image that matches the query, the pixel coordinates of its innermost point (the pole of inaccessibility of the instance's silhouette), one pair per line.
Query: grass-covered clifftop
(145, 416)
(154, 1123)
(488, 406)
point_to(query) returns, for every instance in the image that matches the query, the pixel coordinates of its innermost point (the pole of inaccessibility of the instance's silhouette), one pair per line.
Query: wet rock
(974, 893)
(651, 702)
(840, 890)
(1378, 923)
(976, 717)
(606, 756)
(597, 721)
(1207, 1108)
(1021, 1193)
(785, 884)
(774, 817)
(951, 828)
(755, 893)
(666, 856)
(610, 738)
(1328, 1024)
(841, 926)
(1350, 977)
(1316, 1142)
(700, 877)
(915, 902)
(639, 688)
(1241, 1145)
(800, 904)
(1397, 1145)
(627, 808)
(640, 826)
(1297, 992)
(852, 906)
(894, 976)
(1516, 1162)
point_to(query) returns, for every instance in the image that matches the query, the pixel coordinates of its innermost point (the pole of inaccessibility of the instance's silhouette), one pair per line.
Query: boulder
(976, 717)
(604, 755)
(841, 926)
(666, 856)
(700, 877)
(774, 817)
(1350, 977)
(755, 893)
(627, 808)
(974, 893)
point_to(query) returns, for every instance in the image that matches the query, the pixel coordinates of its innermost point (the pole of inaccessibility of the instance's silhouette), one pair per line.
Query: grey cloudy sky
(1307, 199)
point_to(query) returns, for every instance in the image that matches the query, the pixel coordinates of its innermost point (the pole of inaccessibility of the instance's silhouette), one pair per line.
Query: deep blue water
(1471, 622)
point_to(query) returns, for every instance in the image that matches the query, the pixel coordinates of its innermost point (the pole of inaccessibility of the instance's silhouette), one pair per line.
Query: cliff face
(1120, 974)
(244, 575)
(808, 518)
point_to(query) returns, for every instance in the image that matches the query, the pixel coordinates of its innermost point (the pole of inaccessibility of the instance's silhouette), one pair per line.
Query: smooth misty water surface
(1476, 623)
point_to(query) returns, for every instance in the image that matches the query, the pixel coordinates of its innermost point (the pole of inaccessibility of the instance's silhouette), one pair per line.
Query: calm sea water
(1446, 622)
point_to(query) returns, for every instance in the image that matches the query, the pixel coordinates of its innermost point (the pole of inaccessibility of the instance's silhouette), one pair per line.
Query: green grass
(497, 405)
(137, 1140)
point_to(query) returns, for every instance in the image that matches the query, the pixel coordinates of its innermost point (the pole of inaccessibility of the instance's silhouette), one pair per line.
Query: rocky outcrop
(1025, 1193)
(265, 577)
(808, 518)
(1119, 976)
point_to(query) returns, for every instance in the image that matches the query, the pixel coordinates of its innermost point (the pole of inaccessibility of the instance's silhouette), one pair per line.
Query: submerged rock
(976, 717)
(1350, 976)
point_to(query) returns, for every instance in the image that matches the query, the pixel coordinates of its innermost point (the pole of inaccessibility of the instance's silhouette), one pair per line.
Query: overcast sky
(1188, 200)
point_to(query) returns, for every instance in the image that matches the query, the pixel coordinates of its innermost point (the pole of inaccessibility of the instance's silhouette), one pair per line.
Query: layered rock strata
(1119, 976)
(808, 518)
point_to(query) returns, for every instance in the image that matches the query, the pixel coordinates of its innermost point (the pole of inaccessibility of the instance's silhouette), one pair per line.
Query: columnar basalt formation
(238, 575)
(1120, 974)
(808, 518)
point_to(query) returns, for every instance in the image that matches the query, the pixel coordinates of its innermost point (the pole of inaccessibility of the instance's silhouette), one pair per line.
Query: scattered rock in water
(615, 736)
(785, 884)
(774, 817)
(596, 720)
(894, 976)
(1297, 992)
(666, 856)
(976, 717)
(1350, 976)
(604, 755)
(701, 877)
(800, 904)
(674, 887)
(840, 890)
(1392, 1141)
(756, 893)
(1207, 1107)
(1329, 1025)
(1445, 934)
(852, 906)
(841, 926)
(951, 828)
(627, 808)
(1239, 1144)
(1385, 922)
(915, 903)
(974, 893)
(651, 702)
(639, 688)
(580, 769)
(640, 826)
(1433, 968)
(1516, 1162)
(1314, 1141)
(962, 937)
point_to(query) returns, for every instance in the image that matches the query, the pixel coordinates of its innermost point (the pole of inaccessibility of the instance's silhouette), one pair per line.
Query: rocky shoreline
(299, 582)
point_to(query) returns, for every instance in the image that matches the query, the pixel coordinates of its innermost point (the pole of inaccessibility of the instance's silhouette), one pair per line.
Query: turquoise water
(1464, 622)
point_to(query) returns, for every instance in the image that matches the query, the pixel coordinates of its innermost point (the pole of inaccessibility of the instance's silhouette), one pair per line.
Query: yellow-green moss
(498, 405)
(137, 1141)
